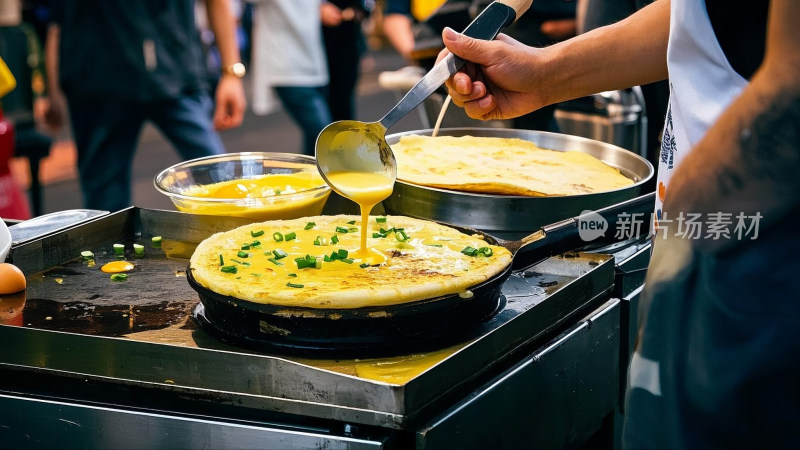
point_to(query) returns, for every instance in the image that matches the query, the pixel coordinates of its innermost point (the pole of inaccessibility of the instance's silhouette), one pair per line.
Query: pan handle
(606, 226)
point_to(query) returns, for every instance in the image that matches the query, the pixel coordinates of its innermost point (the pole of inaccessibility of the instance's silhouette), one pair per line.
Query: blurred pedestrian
(118, 64)
(24, 106)
(345, 45)
(288, 65)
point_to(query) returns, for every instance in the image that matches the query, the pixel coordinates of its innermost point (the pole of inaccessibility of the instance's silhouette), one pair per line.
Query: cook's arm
(230, 99)
(508, 79)
(749, 161)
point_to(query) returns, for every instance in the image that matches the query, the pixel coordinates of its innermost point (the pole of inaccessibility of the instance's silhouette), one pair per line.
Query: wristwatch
(236, 70)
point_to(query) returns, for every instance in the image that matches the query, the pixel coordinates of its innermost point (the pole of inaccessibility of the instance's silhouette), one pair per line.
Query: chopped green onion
(334, 239)
(310, 225)
(86, 254)
(257, 275)
(434, 245)
(485, 251)
(119, 277)
(380, 219)
(156, 240)
(378, 235)
(255, 244)
(292, 274)
(277, 192)
(341, 253)
(257, 233)
(341, 230)
(275, 261)
(308, 261)
(242, 254)
(352, 230)
(221, 261)
(363, 265)
(352, 222)
(290, 236)
(278, 237)
(469, 251)
(119, 249)
(320, 241)
(327, 258)
(401, 235)
(228, 269)
(279, 254)
(245, 247)
(347, 260)
(138, 249)
(246, 264)
(294, 285)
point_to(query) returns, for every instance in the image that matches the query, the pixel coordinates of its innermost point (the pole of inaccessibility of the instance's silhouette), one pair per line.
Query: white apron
(702, 84)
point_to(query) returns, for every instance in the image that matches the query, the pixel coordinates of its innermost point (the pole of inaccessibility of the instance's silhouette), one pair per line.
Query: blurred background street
(273, 133)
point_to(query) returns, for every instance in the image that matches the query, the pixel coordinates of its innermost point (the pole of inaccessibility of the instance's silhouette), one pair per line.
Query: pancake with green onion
(311, 262)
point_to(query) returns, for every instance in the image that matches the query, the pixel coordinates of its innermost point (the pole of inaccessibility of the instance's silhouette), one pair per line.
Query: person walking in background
(345, 45)
(288, 65)
(117, 64)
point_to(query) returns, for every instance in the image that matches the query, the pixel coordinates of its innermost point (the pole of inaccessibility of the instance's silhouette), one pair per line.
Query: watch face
(236, 70)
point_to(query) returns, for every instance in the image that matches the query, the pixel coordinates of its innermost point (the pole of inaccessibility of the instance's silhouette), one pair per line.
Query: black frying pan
(424, 324)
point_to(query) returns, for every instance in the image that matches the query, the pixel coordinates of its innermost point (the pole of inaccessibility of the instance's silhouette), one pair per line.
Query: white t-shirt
(288, 49)
(702, 84)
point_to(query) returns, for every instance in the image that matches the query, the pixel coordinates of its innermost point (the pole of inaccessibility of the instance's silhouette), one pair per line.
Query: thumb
(465, 47)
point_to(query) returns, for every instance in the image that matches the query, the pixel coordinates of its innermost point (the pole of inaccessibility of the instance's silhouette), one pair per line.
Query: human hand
(500, 78)
(51, 112)
(230, 102)
(330, 14)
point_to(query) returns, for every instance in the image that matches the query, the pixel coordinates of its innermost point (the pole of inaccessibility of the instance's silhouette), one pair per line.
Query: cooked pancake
(507, 166)
(279, 262)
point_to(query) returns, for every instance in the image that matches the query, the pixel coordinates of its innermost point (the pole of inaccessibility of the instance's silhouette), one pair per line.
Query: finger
(481, 108)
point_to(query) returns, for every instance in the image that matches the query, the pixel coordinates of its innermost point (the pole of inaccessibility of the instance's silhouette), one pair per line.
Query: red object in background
(13, 204)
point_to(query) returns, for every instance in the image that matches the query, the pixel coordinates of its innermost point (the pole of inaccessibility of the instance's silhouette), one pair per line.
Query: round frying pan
(414, 326)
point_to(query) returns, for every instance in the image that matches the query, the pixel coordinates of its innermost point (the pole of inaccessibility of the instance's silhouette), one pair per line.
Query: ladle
(355, 146)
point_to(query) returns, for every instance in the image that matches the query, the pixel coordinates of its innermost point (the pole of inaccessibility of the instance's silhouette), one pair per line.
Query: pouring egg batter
(367, 189)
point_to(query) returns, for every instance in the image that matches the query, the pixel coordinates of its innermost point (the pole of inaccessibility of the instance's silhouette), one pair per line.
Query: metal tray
(137, 336)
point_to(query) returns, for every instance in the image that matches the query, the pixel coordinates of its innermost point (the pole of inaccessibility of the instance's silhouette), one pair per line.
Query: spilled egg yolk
(117, 267)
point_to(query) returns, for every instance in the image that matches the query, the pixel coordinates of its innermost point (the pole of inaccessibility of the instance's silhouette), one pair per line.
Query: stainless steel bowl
(510, 216)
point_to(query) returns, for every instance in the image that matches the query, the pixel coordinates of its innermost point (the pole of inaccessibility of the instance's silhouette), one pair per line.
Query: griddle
(137, 335)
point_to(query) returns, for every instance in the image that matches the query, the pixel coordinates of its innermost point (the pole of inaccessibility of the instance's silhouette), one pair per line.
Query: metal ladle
(355, 146)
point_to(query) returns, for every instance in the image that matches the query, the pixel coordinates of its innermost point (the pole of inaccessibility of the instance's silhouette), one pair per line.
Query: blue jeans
(308, 107)
(106, 134)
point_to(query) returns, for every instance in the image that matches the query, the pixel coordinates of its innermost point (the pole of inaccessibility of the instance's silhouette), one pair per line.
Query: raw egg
(117, 267)
(11, 279)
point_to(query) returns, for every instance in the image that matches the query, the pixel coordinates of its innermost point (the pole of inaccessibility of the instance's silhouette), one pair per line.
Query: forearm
(51, 59)
(628, 53)
(223, 25)
(397, 28)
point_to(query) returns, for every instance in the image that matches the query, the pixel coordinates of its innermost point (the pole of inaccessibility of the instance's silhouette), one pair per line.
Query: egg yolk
(117, 267)
(11, 279)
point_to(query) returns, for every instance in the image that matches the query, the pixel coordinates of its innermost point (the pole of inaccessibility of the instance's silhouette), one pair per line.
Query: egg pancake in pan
(313, 262)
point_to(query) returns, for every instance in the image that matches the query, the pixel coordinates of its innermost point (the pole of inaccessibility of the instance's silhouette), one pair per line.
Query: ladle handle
(498, 15)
